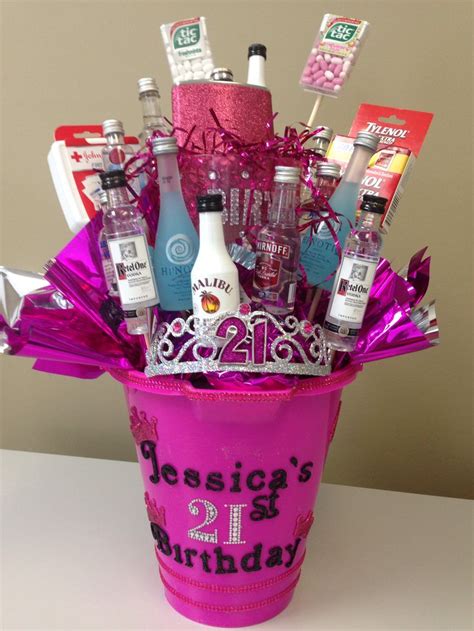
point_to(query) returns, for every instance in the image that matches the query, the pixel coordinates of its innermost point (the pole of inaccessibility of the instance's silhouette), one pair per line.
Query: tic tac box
(401, 133)
(75, 161)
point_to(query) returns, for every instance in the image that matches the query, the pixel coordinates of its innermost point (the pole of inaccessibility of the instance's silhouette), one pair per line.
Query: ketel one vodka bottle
(153, 120)
(355, 276)
(278, 246)
(116, 152)
(319, 254)
(215, 279)
(107, 265)
(124, 229)
(177, 242)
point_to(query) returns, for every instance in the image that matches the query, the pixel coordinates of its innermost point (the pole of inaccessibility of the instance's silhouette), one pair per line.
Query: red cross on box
(76, 156)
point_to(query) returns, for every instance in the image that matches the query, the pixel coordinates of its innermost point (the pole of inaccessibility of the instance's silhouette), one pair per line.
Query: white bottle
(257, 56)
(214, 277)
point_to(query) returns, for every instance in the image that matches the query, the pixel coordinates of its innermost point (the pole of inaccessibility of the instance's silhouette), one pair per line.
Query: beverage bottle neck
(357, 165)
(326, 184)
(211, 232)
(285, 198)
(115, 138)
(256, 70)
(369, 221)
(168, 173)
(151, 109)
(116, 198)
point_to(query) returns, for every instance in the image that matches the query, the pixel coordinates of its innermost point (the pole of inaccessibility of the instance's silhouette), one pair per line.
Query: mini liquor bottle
(278, 246)
(257, 56)
(107, 265)
(153, 119)
(319, 255)
(124, 229)
(116, 152)
(177, 242)
(215, 279)
(355, 276)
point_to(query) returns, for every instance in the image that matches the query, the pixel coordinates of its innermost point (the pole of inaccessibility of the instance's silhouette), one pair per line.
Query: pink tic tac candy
(333, 54)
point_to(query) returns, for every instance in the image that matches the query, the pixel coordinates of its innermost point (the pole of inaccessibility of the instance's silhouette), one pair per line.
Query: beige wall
(406, 423)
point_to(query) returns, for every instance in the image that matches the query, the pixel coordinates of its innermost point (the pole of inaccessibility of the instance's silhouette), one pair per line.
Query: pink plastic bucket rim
(177, 387)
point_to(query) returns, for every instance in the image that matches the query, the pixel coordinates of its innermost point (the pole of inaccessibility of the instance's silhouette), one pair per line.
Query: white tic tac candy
(198, 75)
(187, 48)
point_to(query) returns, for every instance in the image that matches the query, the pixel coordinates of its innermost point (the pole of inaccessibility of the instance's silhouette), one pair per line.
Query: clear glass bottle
(214, 278)
(319, 143)
(107, 265)
(153, 119)
(278, 246)
(355, 276)
(177, 242)
(319, 255)
(257, 56)
(115, 153)
(124, 229)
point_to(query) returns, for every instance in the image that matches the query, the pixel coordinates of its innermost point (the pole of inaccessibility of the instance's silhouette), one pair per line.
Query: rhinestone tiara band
(244, 341)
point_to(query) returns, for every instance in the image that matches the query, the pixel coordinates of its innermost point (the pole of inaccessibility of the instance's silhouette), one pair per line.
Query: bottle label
(133, 270)
(351, 292)
(270, 255)
(213, 295)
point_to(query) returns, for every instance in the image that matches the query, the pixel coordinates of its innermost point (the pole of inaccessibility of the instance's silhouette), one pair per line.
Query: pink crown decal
(142, 428)
(156, 514)
(245, 341)
(303, 524)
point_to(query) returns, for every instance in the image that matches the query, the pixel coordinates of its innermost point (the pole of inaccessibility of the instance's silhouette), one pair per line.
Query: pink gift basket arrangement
(229, 277)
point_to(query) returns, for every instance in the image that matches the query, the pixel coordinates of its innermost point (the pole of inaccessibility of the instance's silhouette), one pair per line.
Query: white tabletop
(77, 553)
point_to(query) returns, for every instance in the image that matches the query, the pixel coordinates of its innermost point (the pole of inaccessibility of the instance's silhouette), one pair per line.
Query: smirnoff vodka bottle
(153, 119)
(214, 279)
(177, 242)
(116, 152)
(124, 229)
(355, 276)
(278, 246)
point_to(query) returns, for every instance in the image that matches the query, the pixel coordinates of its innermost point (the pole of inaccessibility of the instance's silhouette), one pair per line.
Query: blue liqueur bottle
(177, 242)
(319, 255)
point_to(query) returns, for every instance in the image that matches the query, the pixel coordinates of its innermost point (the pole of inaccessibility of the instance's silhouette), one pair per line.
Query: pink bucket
(230, 483)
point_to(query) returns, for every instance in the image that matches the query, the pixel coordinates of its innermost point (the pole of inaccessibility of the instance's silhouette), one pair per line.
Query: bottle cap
(164, 144)
(374, 204)
(331, 169)
(222, 74)
(324, 132)
(367, 139)
(288, 175)
(147, 84)
(103, 197)
(210, 203)
(257, 49)
(113, 179)
(112, 126)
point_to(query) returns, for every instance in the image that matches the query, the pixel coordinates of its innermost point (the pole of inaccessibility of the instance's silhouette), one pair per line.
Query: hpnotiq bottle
(177, 242)
(278, 246)
(215, 279)
(257, 56)
(355, 276)
(107, 265)
(319, 255)
(153, 120)
(116, 152)
(126, 237)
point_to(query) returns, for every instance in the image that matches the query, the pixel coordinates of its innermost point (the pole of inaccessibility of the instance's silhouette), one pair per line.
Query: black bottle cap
(210, 203)
(374, 204)
(258, 49)
(113, 179)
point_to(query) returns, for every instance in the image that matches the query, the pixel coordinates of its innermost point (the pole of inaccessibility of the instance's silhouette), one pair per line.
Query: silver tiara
(244, 341)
